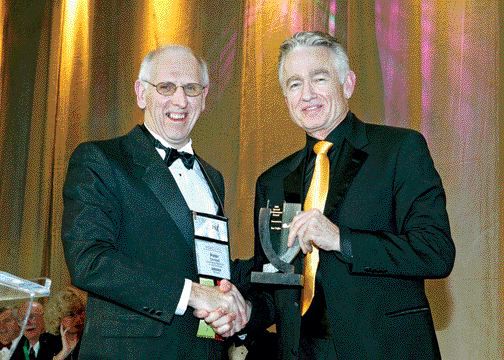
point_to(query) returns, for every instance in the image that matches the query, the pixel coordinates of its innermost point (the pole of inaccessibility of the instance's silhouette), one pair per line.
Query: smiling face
(35, 324)
(172, 117)
(316, 99)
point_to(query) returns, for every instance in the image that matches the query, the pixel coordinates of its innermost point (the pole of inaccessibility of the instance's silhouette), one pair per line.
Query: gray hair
(315, 38)
(145, 67)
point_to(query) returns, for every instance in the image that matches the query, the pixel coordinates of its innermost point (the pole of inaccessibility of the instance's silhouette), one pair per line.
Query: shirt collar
(36, 347)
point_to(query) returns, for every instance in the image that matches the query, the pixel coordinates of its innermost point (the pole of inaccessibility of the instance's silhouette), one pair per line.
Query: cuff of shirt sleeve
(184, 298)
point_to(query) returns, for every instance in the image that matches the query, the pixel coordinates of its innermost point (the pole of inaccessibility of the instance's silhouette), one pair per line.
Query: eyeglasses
(169, 88)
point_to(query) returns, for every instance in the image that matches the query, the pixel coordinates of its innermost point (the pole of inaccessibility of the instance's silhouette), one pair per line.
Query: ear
(205, 92)
(349, 85)
(140, 94)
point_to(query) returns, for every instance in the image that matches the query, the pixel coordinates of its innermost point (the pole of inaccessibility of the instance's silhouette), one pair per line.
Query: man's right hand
(222, 307)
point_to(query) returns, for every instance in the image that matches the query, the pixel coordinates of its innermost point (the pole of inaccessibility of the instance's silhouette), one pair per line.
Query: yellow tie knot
(322, 147)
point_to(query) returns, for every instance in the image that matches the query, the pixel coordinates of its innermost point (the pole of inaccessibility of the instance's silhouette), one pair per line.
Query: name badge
(211, 241)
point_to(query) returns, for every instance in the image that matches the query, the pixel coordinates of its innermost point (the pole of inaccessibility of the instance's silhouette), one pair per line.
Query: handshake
(222, 307)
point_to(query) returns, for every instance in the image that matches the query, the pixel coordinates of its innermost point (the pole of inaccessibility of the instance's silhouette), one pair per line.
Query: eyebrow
(320, 71)
(292, 78)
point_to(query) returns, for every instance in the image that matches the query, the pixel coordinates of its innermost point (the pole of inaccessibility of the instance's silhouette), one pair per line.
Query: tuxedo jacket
(128, 240)
(389, 204)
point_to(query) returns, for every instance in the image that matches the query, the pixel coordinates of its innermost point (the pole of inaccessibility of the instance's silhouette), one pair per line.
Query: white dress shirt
(36, 348)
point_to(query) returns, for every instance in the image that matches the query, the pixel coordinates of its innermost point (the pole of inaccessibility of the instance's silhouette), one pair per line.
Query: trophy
(274, 226)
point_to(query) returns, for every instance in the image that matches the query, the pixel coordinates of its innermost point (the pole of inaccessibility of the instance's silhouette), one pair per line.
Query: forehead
(175, 66)
(303, 61)
(36, 309)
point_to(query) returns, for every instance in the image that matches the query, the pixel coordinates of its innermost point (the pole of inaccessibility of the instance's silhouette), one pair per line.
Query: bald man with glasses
(128, 230)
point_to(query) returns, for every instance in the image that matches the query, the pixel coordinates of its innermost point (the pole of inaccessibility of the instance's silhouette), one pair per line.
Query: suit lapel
(163, 185)
(149, 166)
(293, 182)
(348, 164)
(213, 181)
(349, 161)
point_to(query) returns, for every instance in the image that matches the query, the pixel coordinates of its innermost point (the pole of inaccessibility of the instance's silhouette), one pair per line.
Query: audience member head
(9, 328)
(35, 324)
(66, 309)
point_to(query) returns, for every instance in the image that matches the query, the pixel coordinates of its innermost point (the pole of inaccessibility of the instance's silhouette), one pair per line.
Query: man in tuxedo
(373, 227)
(127, 224)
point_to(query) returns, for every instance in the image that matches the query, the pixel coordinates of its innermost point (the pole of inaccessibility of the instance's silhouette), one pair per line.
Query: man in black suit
(127, 224)
(382, 231)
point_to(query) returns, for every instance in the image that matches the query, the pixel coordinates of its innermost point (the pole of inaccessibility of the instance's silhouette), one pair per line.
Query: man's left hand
(312, 227)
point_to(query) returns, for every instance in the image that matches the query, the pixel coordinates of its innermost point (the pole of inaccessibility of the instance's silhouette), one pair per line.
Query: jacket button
(367, 269)
(145, 308)
(159, 313)
(152, 311)
(296, 304)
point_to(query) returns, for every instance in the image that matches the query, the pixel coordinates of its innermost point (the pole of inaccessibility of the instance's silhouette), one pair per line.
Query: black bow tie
(173, 154)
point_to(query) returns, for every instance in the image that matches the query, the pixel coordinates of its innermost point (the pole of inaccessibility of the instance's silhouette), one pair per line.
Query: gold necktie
(315, 199)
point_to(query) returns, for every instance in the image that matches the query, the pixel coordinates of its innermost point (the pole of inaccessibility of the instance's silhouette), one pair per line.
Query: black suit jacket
(389, 203)
(128, 241)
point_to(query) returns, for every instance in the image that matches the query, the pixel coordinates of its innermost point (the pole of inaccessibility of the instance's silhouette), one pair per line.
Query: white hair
(146, 66)
(315, 38)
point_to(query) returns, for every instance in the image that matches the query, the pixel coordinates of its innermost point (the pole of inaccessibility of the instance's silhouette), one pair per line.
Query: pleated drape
(67, 70)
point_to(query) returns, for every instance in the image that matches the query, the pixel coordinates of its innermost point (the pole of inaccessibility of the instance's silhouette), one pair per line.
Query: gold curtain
(440, 69)
(24, 192)
(67, 70)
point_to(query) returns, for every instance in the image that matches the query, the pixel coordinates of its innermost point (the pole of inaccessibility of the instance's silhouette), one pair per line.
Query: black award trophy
(273, 233)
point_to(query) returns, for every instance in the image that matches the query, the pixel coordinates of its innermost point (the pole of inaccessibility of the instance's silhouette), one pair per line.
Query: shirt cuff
(184, 298)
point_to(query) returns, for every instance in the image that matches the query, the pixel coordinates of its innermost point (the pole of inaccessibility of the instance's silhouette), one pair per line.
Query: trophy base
(277, 278)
